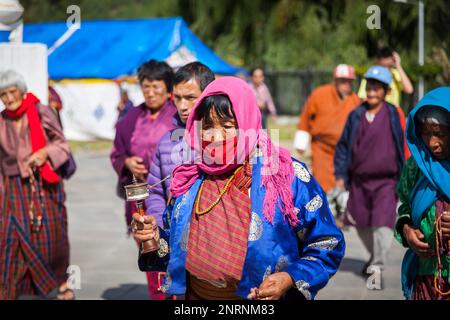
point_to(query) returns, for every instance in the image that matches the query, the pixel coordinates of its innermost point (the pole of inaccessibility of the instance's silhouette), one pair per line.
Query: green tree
(287, 34)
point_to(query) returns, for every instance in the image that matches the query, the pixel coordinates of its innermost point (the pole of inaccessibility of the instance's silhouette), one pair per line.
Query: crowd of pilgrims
(233, 214)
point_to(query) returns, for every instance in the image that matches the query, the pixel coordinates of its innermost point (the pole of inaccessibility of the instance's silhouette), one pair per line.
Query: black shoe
(364, 269)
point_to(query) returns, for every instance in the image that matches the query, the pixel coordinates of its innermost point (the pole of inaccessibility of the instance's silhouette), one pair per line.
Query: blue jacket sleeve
(156, 202)
(158, 260)
(321, 242)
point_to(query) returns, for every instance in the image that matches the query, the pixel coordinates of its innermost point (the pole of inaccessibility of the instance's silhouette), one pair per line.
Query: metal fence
(290, 89)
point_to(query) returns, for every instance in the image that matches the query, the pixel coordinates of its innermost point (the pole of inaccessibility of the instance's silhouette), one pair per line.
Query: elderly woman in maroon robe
(34, 245)
(139, 132)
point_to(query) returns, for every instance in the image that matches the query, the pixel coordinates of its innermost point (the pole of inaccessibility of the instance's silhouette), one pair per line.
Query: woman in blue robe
(291, 246)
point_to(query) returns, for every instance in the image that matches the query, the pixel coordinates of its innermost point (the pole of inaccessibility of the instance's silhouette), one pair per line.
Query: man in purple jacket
(189, 83)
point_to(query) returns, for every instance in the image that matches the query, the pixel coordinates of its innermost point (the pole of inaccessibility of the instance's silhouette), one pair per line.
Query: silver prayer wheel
(138, 192)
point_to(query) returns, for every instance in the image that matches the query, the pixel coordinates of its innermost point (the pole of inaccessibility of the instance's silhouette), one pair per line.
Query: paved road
(107, 256)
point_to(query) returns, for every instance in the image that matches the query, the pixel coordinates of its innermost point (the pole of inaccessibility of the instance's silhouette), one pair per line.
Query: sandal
(64, 293)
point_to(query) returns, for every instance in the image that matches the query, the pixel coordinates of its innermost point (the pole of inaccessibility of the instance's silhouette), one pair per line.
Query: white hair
(11, 78)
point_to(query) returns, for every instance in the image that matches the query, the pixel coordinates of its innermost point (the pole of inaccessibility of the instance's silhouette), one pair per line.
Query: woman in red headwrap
(245, 220)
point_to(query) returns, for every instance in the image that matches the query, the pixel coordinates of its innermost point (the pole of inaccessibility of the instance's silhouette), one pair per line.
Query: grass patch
(99, 145)
(286, 132)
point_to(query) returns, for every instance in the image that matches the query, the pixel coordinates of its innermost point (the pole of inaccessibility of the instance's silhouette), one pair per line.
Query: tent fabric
(111, 48)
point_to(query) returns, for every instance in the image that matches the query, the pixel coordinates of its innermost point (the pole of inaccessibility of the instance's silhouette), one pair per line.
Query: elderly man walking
(322, 121)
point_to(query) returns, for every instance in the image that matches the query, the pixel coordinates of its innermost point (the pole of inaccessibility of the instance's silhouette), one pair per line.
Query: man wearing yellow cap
(388, 58)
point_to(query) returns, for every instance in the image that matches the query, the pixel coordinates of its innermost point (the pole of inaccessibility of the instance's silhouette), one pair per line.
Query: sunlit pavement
(107, 257)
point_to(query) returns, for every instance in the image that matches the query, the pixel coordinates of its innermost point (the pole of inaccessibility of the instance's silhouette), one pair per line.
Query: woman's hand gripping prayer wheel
(145, 229)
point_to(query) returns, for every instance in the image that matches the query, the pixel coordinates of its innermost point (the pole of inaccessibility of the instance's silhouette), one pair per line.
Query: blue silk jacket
(310, 252)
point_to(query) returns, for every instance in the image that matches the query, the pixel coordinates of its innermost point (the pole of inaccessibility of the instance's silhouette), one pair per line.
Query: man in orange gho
(321, 123)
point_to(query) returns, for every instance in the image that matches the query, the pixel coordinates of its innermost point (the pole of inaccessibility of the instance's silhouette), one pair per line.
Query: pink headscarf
(277, 172)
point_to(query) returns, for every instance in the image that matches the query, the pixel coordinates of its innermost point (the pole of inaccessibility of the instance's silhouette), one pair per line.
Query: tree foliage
(287, 34)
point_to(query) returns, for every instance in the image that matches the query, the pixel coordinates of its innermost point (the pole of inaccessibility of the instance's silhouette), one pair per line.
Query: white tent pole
(61, 40)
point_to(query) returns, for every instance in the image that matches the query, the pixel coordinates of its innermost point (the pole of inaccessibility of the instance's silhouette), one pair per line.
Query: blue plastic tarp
(112, 48)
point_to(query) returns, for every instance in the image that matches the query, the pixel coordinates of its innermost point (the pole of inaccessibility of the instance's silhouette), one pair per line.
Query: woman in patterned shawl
(245, 220)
